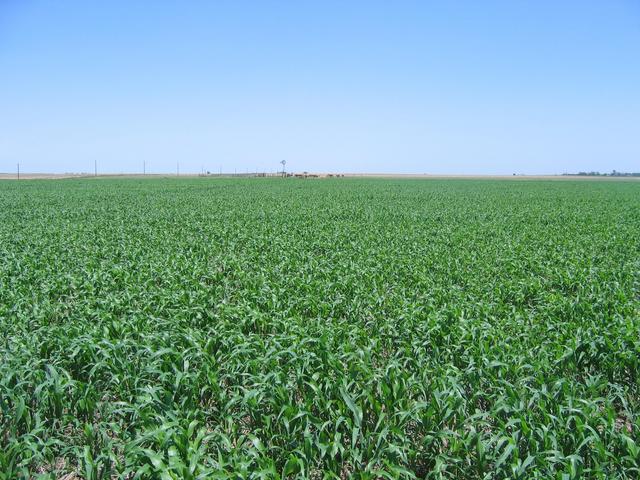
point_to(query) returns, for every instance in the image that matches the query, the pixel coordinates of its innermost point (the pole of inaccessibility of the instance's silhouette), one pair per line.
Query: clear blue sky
(437, 87)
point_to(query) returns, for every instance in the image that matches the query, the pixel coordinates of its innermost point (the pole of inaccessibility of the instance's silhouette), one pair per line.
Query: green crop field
(334, 328)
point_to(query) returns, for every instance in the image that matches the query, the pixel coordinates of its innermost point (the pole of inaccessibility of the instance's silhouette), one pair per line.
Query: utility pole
(95, 168)
(178, 168)
(144, 167)
(18, 170)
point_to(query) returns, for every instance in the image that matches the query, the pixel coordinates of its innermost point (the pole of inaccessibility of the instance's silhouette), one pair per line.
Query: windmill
(283, 162)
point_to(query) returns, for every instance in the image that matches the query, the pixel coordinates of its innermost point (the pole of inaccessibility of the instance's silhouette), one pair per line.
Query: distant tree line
(613, 173)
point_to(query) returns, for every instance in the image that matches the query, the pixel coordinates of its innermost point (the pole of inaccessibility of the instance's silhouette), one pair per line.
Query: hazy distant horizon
(582, 174)
(491, 88)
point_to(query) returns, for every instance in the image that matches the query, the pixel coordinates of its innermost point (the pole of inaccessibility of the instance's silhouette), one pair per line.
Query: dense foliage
(271, 328)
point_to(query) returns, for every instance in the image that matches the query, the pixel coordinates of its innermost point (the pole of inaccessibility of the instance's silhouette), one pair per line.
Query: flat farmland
(191, 328)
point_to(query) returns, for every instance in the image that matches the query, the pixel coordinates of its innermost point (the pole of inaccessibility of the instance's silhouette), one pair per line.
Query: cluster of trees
(613, 173)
